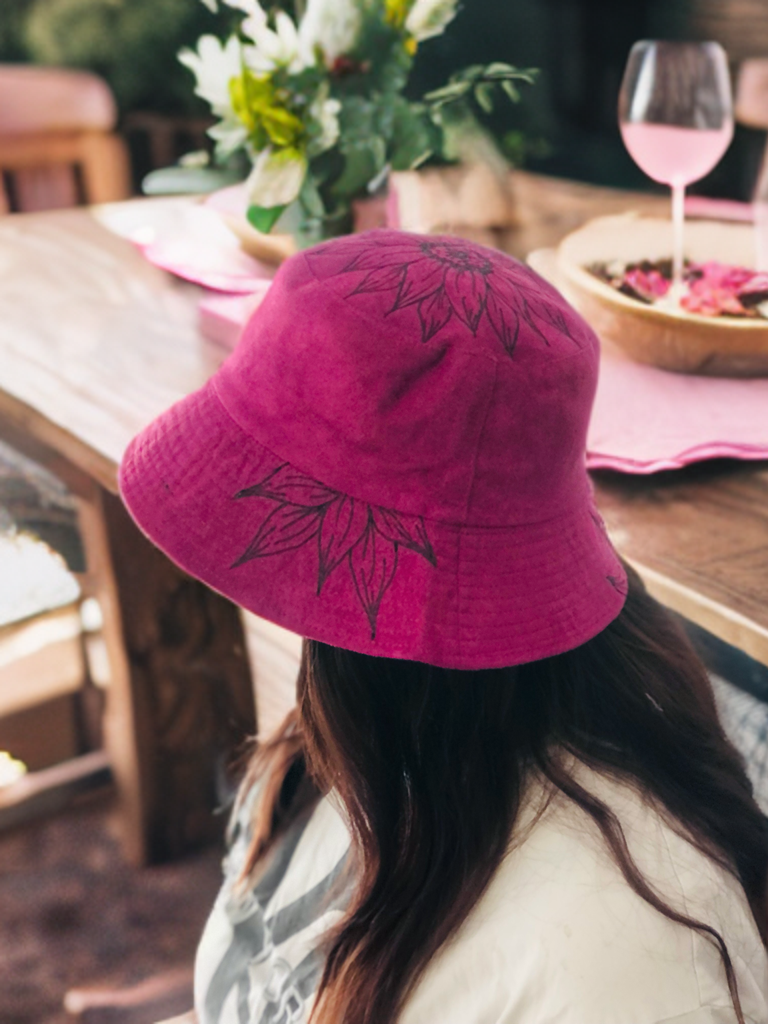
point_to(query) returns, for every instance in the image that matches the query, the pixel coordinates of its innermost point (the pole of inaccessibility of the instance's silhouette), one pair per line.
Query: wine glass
(676, 119)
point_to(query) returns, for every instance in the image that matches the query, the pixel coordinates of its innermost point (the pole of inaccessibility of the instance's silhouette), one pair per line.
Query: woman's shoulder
(261, 947)
(561, 935)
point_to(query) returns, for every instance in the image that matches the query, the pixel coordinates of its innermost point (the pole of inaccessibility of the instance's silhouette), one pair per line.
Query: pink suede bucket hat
(393, 459)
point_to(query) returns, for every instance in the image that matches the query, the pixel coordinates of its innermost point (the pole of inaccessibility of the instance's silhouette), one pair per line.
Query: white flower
(429, 18)
(281, 48)
(277, 177)
(249, 7)
(332, 25)
(212, 5)
(326, 113)
(214, 66)
(229, 135)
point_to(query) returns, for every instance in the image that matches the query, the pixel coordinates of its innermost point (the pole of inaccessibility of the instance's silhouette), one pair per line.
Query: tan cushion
(752, 93)
(39, 100)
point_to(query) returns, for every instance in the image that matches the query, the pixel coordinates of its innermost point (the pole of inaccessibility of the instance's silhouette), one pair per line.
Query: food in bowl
(710, 288)
(665, 334)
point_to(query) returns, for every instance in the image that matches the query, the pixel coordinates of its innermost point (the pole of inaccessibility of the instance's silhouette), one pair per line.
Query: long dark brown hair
(431, 766)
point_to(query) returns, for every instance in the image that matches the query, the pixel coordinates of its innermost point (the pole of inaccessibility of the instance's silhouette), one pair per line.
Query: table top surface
(95, 342)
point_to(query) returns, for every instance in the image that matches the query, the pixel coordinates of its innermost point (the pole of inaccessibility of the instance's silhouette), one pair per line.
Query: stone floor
(73, 914)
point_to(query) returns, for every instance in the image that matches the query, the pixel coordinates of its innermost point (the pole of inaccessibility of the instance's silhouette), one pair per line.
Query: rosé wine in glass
(676, 119)
(675, 156)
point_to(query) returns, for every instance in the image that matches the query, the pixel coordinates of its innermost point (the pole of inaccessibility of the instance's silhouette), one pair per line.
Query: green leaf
(310, 198)
(497, 67)
(185, 180)
(511, 90)
(412, 140)
(264, 218)
(448, 93)
(356, 118)
(481, 79)
(469, 73)
(484, 96)
(363, 160)
(385, 114)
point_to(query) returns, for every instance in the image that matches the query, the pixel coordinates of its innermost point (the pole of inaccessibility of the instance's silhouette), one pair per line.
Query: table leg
(180, 703)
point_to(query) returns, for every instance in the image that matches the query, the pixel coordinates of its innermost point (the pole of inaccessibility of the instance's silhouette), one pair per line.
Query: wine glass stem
(678, 222)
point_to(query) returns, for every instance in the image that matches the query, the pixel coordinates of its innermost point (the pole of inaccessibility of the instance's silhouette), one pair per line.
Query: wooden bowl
(671, 339)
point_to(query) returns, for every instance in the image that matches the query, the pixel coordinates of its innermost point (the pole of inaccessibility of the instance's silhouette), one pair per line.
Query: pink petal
(343, 525)
(409, 531)
(286, 528)
(372, 561)
(421, 279)
(434, 312)
(467, 292)
(504, 320)
(289, 485)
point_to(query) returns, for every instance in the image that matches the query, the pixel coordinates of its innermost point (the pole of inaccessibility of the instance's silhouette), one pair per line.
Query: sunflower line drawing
(448, 280)
(366, 537)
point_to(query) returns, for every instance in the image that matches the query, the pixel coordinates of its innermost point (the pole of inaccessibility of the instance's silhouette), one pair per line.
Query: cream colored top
(558, 938)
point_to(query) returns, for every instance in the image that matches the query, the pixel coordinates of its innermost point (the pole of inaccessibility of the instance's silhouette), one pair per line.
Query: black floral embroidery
(618, 581)
(367, 537)
(447, 280)
(599, 522)
(619, 584)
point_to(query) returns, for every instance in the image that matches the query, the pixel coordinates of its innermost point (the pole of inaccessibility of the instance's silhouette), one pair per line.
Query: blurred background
(565, 126)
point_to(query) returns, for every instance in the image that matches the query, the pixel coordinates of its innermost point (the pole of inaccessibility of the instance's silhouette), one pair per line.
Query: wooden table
(95, 341)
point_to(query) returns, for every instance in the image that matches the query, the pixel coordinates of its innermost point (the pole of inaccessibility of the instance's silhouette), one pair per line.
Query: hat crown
(392, 460)
(425, 374)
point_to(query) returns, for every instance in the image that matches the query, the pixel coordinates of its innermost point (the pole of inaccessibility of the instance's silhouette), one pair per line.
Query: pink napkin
(221, 318)
(219, 269)
(191, 241)
(645, 419)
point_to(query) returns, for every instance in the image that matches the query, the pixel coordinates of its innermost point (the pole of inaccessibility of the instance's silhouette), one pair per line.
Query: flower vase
(290, 234)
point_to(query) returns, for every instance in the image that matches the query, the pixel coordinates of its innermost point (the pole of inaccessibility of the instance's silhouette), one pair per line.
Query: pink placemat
(719, 209)
(189, 240)
(645, 419)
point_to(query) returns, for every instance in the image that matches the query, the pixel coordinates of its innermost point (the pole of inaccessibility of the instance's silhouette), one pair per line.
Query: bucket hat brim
(329, 566)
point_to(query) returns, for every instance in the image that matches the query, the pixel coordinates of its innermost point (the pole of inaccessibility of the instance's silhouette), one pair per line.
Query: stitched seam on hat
(479, 440)
(468, 504)
(452, 523)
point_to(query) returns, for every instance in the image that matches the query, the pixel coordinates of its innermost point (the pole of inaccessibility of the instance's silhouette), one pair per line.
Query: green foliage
(132, 43)
(324, 126)
(415, 136)
(13, 21)
(264, 218)
(480, 82)
(193, 180)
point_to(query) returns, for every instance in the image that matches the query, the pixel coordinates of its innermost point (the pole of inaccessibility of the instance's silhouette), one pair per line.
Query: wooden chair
(57, 148)
(164, 998)
(751, 102)
(58, 145)
(51, 676)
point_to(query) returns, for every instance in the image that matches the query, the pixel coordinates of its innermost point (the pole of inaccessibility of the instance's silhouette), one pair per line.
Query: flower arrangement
(317, 104)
